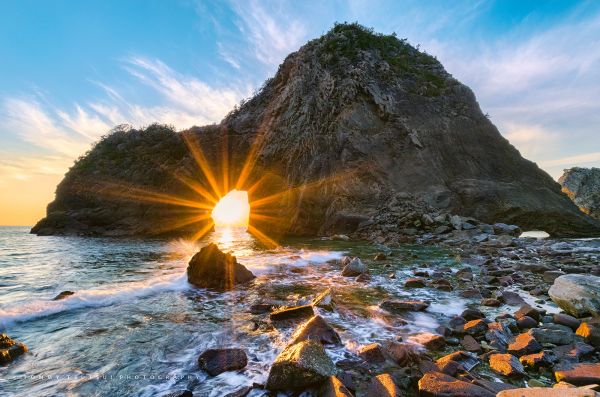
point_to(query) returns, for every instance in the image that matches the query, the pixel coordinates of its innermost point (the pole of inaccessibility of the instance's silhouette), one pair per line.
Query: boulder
(466, 360)
(536, 360)
(554, 336)
(547, 392)
(383, 386)
(470, 344)
(582, 185)
(333, 387)
(318, 330)
(577, 294)
(178, 393)
(372, 353)
(590, 333)
(300, 366)
(63, 295)
(324, 300)
(431, 341)
(475, 327)
(10, 349)
(212, 268)
(414, 282)
(292, 313)
(579, 374)
(507, 365)
(524, 344)
(216, 361)
(435, 384)
(400, 306)
(566, 320)
(355, 268)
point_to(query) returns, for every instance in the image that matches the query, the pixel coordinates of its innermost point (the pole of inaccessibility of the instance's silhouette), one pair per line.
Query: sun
(232, 210)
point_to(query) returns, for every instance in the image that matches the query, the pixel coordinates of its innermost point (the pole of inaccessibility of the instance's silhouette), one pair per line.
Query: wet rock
(470, 293)
(299, 366)
(430, 341)
(179, 393)
(567, 320)
(472, 314)
(512, 298)
(383, 386)
(494, 387)
(590, 333)
(580, 374)
(527, 310)
(290, 313)
(507, 365)
(503, 228)
(542, 359)
(550, 275)
(435, 384)
(318, 330)
(498, 336)
(470, 344)
(372, 353)
(354, 268)
(466, 360)
(475, 327)
(63, 295)
(405, 354)
(363, 278)
(546, 392)
(526, 322)
(10, 349)
(340, 237)
(333, 387)
(399, 306)
(491, 302)
(216, 361)
(577, 294)
(554, 336)
(524, 344)
(241, 392)
(324, 300)
(212, 268)
(261, 308)
(414, 283)
(380, 256)
(574, 352)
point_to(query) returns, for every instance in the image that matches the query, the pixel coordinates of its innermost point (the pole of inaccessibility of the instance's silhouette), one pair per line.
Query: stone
(507, 365)
(582, 186)
(527, 310)
(63, 295)
(179, 393)
(494, 387)
(546, 392)
(333, 387)
(431, 341)
(467, 360)
(550, 275)
(498, 336)
(503, 228)
(414, 283)
(472, 314)
(355, 268)
(383, 386)
(524, 344)
(567, 320)
(10, 349)
(291, 313)
(380, 256)
(526, 322)
(470, 344)
(579, 374)
(475, 327)
(405, 354)
(554, 336)
(536, 360)
(590, 333)
(318, 330)
(216, 361)
(491, 302)
(574, 352)
(512, 298)
(577, 294)
(400, 306)
(300, 366)
(372, 353)
(435, 384)
(212, 268)
(324, 300)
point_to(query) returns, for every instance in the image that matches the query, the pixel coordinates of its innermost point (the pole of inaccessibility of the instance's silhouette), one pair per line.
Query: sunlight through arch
(232, 210)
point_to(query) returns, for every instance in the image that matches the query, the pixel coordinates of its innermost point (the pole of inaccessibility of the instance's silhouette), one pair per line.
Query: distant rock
(212, 268)
(577, 294)
(216, 361)
(10, 349)
(355, 268)
(63, 295)
(582, 185)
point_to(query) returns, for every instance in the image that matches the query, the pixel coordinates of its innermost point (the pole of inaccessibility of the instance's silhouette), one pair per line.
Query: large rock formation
(351, 122)
(582, 185)
(213, 268)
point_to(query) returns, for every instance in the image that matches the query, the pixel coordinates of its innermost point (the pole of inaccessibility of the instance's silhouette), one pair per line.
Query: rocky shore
(510, 340)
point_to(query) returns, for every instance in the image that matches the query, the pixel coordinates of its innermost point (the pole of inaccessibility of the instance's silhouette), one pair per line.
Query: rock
(590, 333)
(498, 336)
(241, 392)
(582, 185)
(475, 327)
(494, 387)
(529, 311)
(262, 308)
(290, 313)
(550, 275)
(524, 344)
(354, 268)
(546, 392)
(333, 387)
(574, 352)
(512, 298)
(467, 360)
(472, 314)
(340, 237)
(216, 361)
(470, 344)
(443, 229)
(299, 366)
(431, 341)
(63, 295)
(503, 228)
(398, 306)
(565, 319)
(491, 302)
(383, 386)
(212, 268)
(324, 300)
(507, 365)
(10, 349)
(435, 384)
(414, 283)
(318, 330)
(526, 322)
(380, 256)
(577, 294)
(405, 354)
(372, 353)
(579, 374)
(554, 336)
(179, 393)
(542, 359)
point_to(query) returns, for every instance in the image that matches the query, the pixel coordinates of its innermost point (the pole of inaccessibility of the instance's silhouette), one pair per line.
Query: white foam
(263, 263)
(28, 310)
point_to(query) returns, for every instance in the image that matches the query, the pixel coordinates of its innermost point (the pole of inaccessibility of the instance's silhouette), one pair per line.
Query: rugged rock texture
(212, 268)
(577, 294)
(582, 185)
(10, 349)
(354, 126)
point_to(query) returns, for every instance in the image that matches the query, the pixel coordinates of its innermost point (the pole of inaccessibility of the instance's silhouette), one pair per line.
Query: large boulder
(435, 384)
(216, 361)
(582, 185)
(212, 268)
(318, 330)
(577, 294)
(299, 366)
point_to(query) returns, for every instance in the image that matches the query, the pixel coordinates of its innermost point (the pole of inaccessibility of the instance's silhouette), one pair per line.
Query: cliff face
(348, 122)
(582, 185)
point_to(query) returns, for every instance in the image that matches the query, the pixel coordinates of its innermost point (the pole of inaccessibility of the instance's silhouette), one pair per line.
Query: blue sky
(70, 70)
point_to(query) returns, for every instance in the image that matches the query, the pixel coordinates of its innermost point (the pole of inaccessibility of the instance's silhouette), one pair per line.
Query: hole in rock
(232, 210)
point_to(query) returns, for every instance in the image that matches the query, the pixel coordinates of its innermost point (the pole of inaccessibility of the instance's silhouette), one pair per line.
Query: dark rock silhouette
(350, 122)
(212, 268)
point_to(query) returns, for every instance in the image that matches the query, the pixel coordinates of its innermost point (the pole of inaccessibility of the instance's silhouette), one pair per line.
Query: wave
(30, 310)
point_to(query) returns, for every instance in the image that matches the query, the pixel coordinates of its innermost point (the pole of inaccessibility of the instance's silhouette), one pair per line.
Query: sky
(72, 70)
